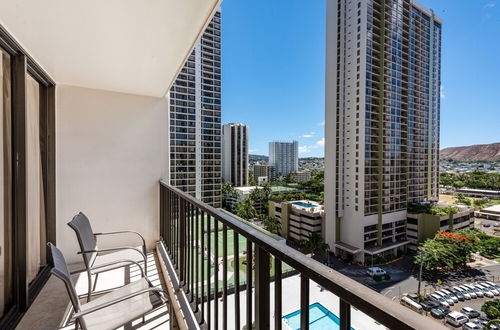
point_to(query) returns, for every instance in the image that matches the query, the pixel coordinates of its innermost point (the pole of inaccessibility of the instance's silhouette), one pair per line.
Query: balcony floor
(52, 310)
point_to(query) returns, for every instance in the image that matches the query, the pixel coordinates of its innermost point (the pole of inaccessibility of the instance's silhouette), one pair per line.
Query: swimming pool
(303, 204)
(320, 318)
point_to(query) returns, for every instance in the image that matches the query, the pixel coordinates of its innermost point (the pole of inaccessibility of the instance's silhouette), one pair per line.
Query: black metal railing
(197, 235)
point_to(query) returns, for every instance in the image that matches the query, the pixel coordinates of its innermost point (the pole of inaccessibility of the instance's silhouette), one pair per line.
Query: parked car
(494, 285)
(492, 288)
(487, 225)
(440, 313)
(462, 291)
(439, 299)
(428, 305)
(407, 302)
(453, 295)
(456, 319)
(497, 224)
(448, 299)
(412, 296)
(471, 292)
(372, 271)
(469, 312)
(478, 292)
(486, 291)
(472, 326)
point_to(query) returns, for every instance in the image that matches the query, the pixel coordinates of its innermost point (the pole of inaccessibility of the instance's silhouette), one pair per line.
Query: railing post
(304, 302)
(345, 315)
(181, 240)
(261, 288)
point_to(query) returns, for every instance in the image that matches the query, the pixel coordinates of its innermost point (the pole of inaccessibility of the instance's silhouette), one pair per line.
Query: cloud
(321, 123)
(490, 4)
(310, 135)
(441, 92)
(304, 149)
(253, 150)
(308, 148)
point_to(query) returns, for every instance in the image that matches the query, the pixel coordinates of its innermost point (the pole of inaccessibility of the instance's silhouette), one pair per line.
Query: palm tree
(271, 224)
(227, 189)
(245, 209)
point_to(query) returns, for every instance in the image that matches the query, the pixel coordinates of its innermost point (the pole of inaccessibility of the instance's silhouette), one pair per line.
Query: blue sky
(273, 60)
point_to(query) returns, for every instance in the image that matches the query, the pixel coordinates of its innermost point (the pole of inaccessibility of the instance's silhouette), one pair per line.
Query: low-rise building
(490, 213)
(421, 226)
(479, 192)
(298, 219)
(301, 176)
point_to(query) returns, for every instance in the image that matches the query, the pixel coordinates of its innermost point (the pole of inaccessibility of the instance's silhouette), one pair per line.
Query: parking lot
(474, 303)
(491, 225)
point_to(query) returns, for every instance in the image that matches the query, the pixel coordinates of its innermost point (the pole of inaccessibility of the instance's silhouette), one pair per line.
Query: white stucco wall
(112, 149)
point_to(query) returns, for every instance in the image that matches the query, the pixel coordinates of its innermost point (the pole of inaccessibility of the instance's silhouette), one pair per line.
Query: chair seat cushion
(123, 312)
(127, 254)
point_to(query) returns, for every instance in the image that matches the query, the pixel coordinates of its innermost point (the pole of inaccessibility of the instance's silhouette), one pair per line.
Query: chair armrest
(123, 232)
(110, 303)
(114, 249)
(120, 261)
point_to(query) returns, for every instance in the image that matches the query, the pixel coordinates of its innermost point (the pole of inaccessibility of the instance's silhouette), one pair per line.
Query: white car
(478, 292)
(463, 292)
(472, 293)
(492, 288)
(471, 326)
(445, 297)
(439, 299)
(372, 271)
(456, 319)
(486, 290)
(450, 295)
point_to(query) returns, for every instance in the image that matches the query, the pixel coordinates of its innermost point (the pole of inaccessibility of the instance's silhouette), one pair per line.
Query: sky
(273, 63)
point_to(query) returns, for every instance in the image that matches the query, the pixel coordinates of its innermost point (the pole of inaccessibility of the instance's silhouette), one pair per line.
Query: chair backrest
(86, 238)
(60, 270)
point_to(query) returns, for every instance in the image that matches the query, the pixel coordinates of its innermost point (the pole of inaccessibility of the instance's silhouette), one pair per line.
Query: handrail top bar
(370, 302)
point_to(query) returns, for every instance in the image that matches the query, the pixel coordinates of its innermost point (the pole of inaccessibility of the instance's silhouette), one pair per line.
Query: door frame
(22, 64)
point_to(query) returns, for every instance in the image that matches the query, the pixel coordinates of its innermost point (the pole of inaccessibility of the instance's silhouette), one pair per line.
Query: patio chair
(113, 309)
(98, 260)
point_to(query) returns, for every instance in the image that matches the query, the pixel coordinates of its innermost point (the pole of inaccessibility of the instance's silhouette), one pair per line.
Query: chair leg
(89, 279)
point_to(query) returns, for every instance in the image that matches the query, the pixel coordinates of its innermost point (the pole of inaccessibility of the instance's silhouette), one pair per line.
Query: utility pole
(422, 254)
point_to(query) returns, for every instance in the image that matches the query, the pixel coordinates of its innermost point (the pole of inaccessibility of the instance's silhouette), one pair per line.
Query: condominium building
(284, 157)
(195, 119)
(298, 219)
(235, 154)
(382, 121)
(263, 173)
(301, 176)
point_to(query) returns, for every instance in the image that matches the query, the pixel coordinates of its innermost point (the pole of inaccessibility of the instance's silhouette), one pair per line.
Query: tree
(227, 189)
(492, 309)
(315, 244)
(271, 224)
(245, 209)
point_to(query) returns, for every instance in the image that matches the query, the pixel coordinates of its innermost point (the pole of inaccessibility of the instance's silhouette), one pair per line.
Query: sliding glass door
(6, 186)
(27, 193)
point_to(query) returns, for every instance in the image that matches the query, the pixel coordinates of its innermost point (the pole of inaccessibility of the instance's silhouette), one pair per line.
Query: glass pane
(35, 196)
(6, 180)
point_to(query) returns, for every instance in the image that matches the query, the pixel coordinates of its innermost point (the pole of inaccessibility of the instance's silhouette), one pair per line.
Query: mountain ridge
(474, 152)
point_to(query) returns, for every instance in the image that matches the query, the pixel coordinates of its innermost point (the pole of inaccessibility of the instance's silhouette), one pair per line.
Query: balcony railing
(197, 237)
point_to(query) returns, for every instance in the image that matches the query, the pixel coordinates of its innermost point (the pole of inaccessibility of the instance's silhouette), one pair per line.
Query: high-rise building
(382, 121)
(235, 154)
(284, 157)
(195, 120)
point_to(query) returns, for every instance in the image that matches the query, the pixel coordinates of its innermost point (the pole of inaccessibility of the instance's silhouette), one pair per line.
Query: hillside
(475, 152)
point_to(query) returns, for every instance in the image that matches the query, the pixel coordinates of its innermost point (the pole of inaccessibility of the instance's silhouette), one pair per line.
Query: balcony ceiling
(127, 46)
